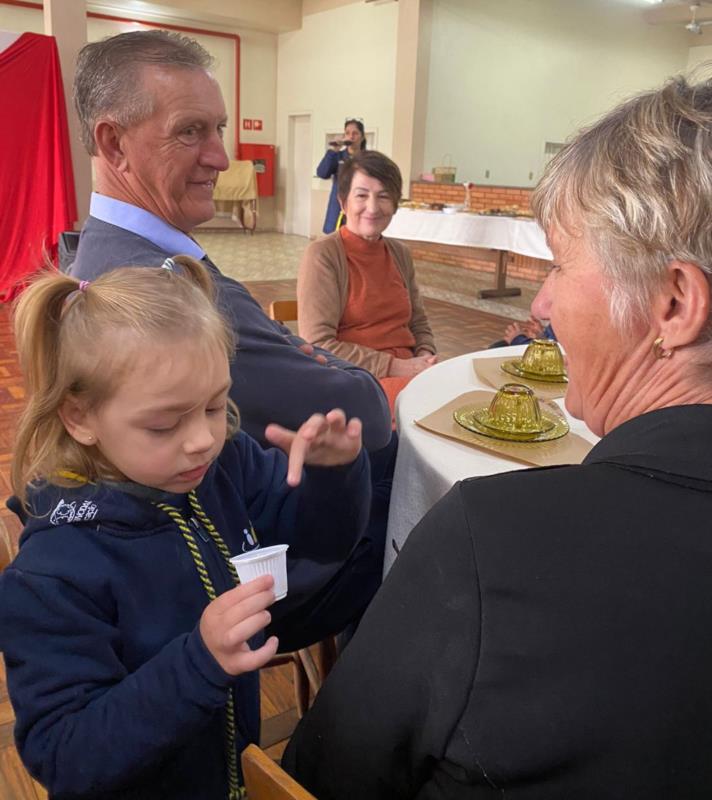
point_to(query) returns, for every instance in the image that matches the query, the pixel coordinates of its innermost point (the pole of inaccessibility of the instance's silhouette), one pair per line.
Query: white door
(299, 175)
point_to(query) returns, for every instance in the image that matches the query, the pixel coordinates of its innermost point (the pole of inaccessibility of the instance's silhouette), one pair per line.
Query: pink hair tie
(83, 285)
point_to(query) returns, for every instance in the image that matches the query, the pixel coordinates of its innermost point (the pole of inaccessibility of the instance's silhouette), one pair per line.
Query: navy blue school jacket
(115, 694)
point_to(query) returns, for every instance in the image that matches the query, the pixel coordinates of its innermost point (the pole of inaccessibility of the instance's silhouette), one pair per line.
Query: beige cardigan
(322, 291)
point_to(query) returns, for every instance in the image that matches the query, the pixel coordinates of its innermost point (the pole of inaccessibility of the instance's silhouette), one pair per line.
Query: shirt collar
(144, 223)
(670, 441)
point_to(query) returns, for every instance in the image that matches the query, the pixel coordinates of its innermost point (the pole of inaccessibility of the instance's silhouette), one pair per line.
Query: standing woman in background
(354, 140)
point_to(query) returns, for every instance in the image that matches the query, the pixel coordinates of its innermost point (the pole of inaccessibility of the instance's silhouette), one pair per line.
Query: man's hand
(324, 441)
(308, 349)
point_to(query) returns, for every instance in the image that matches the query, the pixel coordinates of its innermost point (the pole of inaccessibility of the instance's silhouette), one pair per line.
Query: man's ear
(108, 136)
(681, 311)
(76, 420)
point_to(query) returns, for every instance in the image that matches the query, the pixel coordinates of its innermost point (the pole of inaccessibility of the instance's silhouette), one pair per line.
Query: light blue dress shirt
(143, 223)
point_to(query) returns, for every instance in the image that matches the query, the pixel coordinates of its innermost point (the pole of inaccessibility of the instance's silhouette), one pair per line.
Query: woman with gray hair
(546, 633)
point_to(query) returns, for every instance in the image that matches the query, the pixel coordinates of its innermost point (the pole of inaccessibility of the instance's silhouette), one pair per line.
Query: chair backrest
(67, 249)
(266, 780)
(8, 548)
(283, 310)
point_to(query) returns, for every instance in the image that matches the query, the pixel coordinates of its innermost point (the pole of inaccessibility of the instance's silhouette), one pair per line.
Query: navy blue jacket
(272, 379)
(329, 168)
(114, 692)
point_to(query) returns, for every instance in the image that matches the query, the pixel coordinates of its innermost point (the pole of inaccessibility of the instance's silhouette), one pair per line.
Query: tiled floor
(274, 256)
(267, 263)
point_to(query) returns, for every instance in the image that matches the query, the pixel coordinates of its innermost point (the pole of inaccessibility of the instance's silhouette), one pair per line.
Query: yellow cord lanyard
(236, 792)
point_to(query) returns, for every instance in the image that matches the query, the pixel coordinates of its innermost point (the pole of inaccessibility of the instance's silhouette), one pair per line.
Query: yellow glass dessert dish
(542, 361)
(514, 415)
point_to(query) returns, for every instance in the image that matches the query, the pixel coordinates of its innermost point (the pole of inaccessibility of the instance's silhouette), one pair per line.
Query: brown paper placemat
(570, 449)
(489, 370)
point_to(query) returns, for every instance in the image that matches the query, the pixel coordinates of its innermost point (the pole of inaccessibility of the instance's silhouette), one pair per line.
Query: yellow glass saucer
(542, 361)
(514, 415)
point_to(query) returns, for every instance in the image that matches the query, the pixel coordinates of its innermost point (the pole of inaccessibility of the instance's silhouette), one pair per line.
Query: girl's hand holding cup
(233, 618)
(324, 441)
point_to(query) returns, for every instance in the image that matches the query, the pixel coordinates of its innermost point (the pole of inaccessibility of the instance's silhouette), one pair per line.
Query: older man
(152, 118)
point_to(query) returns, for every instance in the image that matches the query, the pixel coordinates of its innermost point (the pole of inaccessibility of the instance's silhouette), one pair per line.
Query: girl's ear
(75, 419)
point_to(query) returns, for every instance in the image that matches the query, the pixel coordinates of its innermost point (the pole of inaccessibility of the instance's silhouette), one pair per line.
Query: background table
(494, 236)
(428, 465)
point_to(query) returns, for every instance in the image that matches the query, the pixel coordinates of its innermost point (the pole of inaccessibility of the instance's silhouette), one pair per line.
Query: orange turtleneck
(378, 310)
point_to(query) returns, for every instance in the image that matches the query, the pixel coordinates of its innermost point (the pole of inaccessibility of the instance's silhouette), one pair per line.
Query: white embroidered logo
(64, 513)
(250, 542)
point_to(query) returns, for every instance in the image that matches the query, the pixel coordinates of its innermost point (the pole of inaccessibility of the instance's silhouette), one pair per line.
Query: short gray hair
(638, 186)
(107, 80)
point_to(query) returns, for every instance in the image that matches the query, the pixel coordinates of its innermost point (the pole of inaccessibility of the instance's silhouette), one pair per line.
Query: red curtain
(37, 200)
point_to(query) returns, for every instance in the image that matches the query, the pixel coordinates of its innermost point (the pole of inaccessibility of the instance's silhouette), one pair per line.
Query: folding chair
(283, 311)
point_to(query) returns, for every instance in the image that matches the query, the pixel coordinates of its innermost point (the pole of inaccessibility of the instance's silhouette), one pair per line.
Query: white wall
(258, 76)
(700, 57)
(505, 77)
(340, 64)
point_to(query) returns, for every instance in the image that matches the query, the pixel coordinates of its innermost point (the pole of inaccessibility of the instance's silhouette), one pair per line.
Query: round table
(428, 465)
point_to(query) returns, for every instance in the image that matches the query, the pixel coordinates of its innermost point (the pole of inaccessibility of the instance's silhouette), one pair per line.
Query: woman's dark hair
(375, 165)
(359, 124)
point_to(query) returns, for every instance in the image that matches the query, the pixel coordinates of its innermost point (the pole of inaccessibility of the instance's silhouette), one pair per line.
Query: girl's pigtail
(196, 272)
(36, 319)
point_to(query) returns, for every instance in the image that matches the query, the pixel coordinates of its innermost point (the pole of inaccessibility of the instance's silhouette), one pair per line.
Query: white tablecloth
(516, 234)
(428, 465)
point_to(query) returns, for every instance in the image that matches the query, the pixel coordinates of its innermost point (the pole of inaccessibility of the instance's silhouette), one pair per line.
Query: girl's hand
(324, 441)
(512, 330)
(409, 367)
(533, 328)
(232, 618)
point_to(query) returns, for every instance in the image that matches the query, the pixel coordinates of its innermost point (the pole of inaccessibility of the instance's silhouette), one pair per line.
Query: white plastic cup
(264, 561)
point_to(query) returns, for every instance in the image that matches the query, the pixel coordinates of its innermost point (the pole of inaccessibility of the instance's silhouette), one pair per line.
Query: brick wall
(481, 198)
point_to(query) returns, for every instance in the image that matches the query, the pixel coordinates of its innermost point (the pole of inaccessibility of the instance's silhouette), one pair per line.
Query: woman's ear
(682, 309)
(76, 421)
(108, 138)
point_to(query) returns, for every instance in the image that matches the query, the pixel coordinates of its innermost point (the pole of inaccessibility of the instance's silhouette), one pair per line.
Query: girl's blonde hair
(78, 339)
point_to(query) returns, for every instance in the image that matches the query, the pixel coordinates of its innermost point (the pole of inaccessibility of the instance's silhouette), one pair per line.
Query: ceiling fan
(693, 26)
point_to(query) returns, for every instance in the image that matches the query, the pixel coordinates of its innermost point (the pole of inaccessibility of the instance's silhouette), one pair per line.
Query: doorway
(299, 175)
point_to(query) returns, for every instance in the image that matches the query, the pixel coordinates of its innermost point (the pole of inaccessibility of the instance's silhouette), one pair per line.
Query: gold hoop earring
(658, 350)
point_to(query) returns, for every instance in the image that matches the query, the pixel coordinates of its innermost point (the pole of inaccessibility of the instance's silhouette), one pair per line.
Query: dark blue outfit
(329, 168)
(272, 381)
(114, 691)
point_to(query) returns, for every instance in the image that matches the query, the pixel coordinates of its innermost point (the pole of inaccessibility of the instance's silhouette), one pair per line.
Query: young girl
(130, 651)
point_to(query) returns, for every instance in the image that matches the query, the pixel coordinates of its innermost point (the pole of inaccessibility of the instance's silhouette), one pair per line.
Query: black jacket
(543, 634)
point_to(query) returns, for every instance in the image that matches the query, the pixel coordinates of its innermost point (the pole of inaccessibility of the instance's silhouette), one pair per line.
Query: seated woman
(356, 289)
(545, 633)
(339, 151)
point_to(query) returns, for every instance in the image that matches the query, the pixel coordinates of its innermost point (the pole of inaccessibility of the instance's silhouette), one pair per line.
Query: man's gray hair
(107, 82)
(638, 186)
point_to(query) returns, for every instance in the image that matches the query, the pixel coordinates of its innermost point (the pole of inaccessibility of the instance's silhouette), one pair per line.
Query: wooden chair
(283, 311)
(266, 780)
(310, 667)
(8, 548)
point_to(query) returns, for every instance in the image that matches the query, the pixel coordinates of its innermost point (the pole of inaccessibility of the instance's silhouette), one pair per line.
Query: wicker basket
(445, 173)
